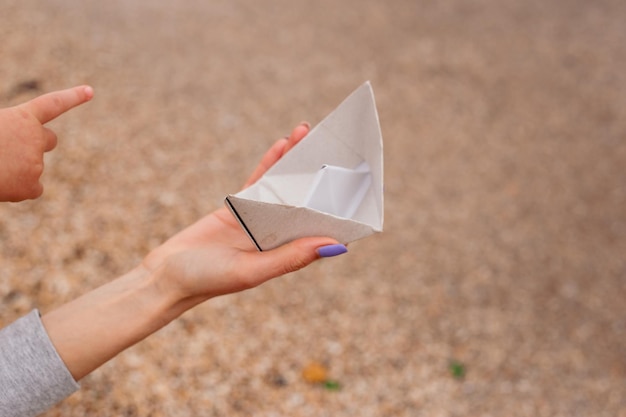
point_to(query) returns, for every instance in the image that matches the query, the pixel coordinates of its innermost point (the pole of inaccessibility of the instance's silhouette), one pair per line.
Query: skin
(24, 139)
(211, 257)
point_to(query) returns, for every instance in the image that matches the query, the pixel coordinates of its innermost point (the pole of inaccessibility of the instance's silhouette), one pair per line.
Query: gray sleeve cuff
(33, 376)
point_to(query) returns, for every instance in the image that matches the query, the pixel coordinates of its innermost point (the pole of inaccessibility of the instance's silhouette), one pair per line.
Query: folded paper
(339, 191)
(329, 184)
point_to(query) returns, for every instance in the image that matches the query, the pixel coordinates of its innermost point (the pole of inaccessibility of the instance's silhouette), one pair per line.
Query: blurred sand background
(505, 233)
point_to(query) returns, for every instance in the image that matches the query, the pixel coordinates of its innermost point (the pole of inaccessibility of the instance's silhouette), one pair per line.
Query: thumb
(293, 256)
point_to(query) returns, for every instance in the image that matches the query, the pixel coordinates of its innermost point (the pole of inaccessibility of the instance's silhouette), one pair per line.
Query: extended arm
(211, 257)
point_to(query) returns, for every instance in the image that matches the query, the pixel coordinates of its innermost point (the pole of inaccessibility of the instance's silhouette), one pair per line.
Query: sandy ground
(505, 149)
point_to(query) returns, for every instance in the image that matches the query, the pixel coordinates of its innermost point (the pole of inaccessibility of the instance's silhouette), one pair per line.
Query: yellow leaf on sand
(315, 373)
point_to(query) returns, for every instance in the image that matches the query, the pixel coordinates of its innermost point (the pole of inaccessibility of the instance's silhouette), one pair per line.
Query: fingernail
(88, 92)
(307, 124)
(331, 250)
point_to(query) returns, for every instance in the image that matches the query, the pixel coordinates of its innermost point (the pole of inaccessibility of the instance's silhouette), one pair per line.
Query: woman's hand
(214, 256)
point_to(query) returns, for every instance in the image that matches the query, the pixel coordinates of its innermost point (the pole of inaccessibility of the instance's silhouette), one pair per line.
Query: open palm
(214, 256)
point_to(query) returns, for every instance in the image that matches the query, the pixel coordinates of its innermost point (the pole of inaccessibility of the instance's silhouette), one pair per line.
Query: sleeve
(33, 376)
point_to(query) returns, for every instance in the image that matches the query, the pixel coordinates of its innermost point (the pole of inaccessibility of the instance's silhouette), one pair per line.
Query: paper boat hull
(272, 225)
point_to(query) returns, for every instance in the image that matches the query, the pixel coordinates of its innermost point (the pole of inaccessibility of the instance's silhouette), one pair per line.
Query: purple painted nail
(331, 250)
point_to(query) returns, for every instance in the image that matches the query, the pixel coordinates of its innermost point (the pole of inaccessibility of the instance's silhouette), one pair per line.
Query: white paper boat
(329, 184)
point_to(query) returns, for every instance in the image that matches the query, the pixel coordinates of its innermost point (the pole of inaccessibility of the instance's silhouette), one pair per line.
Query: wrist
(154, 300)
(165, 289)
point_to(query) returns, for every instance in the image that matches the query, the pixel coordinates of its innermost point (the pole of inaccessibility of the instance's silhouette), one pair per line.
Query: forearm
(92, 329)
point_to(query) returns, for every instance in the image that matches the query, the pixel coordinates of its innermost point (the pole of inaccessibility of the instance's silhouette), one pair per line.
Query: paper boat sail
(329, 184)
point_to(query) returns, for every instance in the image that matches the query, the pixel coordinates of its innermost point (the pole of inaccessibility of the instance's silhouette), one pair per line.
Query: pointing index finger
(51, 105)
